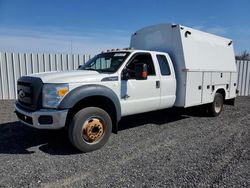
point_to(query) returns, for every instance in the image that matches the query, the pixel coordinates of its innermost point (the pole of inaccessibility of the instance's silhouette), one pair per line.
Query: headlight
(53, 94)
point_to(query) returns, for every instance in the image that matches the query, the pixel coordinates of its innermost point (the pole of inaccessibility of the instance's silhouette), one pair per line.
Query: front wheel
(90, 129)
(216, 107)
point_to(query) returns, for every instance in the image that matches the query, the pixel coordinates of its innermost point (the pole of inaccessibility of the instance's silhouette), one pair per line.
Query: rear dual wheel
(216, 107)
(90, 129)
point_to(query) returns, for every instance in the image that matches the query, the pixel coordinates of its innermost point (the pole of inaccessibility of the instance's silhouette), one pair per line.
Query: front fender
(81, 92)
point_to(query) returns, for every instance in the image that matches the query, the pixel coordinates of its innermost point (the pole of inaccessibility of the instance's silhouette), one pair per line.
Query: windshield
(106, 62)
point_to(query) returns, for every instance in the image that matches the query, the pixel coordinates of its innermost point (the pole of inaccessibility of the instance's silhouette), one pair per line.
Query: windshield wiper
(89, 68)
(98, 70)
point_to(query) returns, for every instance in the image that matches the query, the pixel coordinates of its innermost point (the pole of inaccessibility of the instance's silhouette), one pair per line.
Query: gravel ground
(159, 149)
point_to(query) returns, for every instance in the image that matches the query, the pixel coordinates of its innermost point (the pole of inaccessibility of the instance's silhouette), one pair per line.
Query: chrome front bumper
(33, 119)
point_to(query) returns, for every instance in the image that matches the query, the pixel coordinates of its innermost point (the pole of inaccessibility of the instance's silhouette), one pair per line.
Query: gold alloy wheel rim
(93, 130)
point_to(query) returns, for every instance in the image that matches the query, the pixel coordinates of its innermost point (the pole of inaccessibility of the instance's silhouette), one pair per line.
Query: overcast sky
(91, 26)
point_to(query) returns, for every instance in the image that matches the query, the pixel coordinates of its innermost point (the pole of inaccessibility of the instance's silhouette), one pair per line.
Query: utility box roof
(189, 48)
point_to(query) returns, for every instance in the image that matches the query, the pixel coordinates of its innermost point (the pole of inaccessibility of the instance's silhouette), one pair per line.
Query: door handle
(158, 84)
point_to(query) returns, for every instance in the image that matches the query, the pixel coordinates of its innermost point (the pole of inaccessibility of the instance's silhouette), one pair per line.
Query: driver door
(139, 96)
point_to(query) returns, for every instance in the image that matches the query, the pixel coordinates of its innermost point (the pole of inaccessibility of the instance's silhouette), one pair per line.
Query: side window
(164, 66)
(142, 58)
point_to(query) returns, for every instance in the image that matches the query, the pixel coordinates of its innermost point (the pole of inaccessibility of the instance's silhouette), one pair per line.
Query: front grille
(24, 91)
(29, 91)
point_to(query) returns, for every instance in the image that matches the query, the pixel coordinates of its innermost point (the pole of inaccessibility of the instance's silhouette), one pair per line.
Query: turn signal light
(62, 91)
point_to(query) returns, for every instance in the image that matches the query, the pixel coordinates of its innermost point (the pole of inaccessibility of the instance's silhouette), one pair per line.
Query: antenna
(71, 46)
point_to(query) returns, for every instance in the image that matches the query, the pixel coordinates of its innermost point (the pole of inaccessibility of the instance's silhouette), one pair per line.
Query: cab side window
(141, 58)
(164, 66)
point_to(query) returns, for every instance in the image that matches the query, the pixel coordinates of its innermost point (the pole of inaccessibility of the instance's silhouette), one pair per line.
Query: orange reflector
(62, 91)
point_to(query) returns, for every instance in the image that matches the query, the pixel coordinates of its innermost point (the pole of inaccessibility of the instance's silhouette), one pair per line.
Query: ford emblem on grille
(21, 93)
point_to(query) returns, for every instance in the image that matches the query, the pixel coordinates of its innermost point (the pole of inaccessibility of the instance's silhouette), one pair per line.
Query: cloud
(217, 30)
(199, 27)
(54, 40)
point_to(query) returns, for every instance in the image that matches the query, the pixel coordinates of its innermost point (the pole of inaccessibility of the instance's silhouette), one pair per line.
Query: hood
(70, 76)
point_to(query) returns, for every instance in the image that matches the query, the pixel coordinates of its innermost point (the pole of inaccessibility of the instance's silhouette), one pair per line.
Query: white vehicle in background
(167, 65)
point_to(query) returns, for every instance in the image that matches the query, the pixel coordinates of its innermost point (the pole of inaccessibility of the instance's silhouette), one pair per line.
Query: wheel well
(94, 101)
(222, 92)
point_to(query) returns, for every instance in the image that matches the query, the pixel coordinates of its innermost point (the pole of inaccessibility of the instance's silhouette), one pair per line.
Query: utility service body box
(203, 62)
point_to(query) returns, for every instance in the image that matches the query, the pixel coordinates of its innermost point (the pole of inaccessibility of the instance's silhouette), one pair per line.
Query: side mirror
(141, 71)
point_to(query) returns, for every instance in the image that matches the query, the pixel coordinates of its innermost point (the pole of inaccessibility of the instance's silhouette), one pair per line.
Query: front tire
(216, 107)
(90, 129)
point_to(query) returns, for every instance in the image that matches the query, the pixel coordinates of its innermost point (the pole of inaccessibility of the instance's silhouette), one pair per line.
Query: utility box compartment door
(193, 88)
(207, 96)
(220, 78)
(233, 85)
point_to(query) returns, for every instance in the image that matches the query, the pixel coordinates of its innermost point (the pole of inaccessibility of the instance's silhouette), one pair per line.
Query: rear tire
(215, 108)
(90, 129)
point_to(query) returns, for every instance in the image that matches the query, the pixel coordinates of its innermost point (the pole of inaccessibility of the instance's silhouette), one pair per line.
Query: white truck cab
(168, 65)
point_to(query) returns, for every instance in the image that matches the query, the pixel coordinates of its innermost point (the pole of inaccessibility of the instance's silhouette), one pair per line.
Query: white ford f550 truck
(167, 65)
